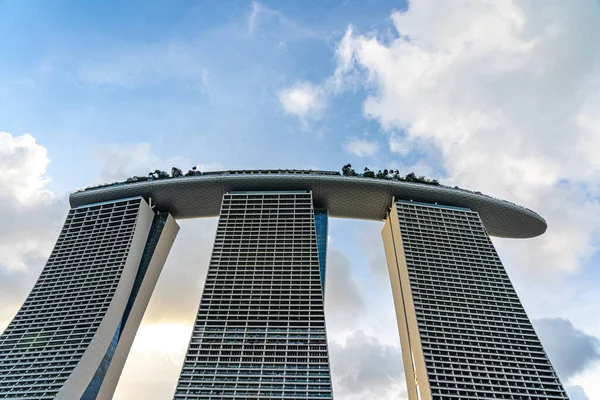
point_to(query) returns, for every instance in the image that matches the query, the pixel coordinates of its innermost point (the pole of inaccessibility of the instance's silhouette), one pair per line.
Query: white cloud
(23, 165)
(503, 98)
(26, 206)
(505, 94)
(588, 380)
(30, 219)
(343, 300)
(210, 167)
(363, 368)
(303, 100)
(400, 145)
(361, 147)
(576, 393)
(570, 350)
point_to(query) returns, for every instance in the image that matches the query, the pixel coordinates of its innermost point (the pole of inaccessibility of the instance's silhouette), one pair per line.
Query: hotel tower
(260, 330)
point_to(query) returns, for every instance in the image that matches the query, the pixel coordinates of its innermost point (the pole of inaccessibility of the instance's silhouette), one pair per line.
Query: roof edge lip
(345, 197)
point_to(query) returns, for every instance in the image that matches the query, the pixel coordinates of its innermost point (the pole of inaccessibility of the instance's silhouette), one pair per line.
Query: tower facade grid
(260, 328)
(50, 333)
(87, 303)
(464, 331)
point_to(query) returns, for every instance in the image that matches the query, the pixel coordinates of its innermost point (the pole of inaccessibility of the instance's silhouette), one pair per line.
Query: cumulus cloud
(31, 219)
(363, 368)
(23, 164)
(506, 95)
(400, 145)
(576, 393)
(372, 246)
(27, 210)
(570, 350)
(361, 147)
(343, 300)
(303, 100)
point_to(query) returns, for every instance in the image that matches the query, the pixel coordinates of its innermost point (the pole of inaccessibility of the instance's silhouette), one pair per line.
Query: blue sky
(501, 98)
(199, 81)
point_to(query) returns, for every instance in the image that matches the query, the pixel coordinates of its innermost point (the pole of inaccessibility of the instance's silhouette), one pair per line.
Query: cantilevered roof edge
(344, 197)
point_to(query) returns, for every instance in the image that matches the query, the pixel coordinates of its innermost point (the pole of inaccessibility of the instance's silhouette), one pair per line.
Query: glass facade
(158, 224)
(321, 226)
(91, 392)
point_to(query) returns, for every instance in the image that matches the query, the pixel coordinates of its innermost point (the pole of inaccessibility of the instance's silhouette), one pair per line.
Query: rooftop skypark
(347, 170)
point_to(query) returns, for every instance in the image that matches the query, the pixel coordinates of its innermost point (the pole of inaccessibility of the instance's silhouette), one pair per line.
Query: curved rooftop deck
(344, 197)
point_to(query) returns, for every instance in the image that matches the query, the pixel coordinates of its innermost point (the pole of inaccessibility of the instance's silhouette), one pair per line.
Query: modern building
(464, 333)
(260, 328)
(72, 335)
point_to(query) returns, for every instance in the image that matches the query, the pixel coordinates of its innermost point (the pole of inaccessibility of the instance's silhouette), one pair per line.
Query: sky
(500, 97)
